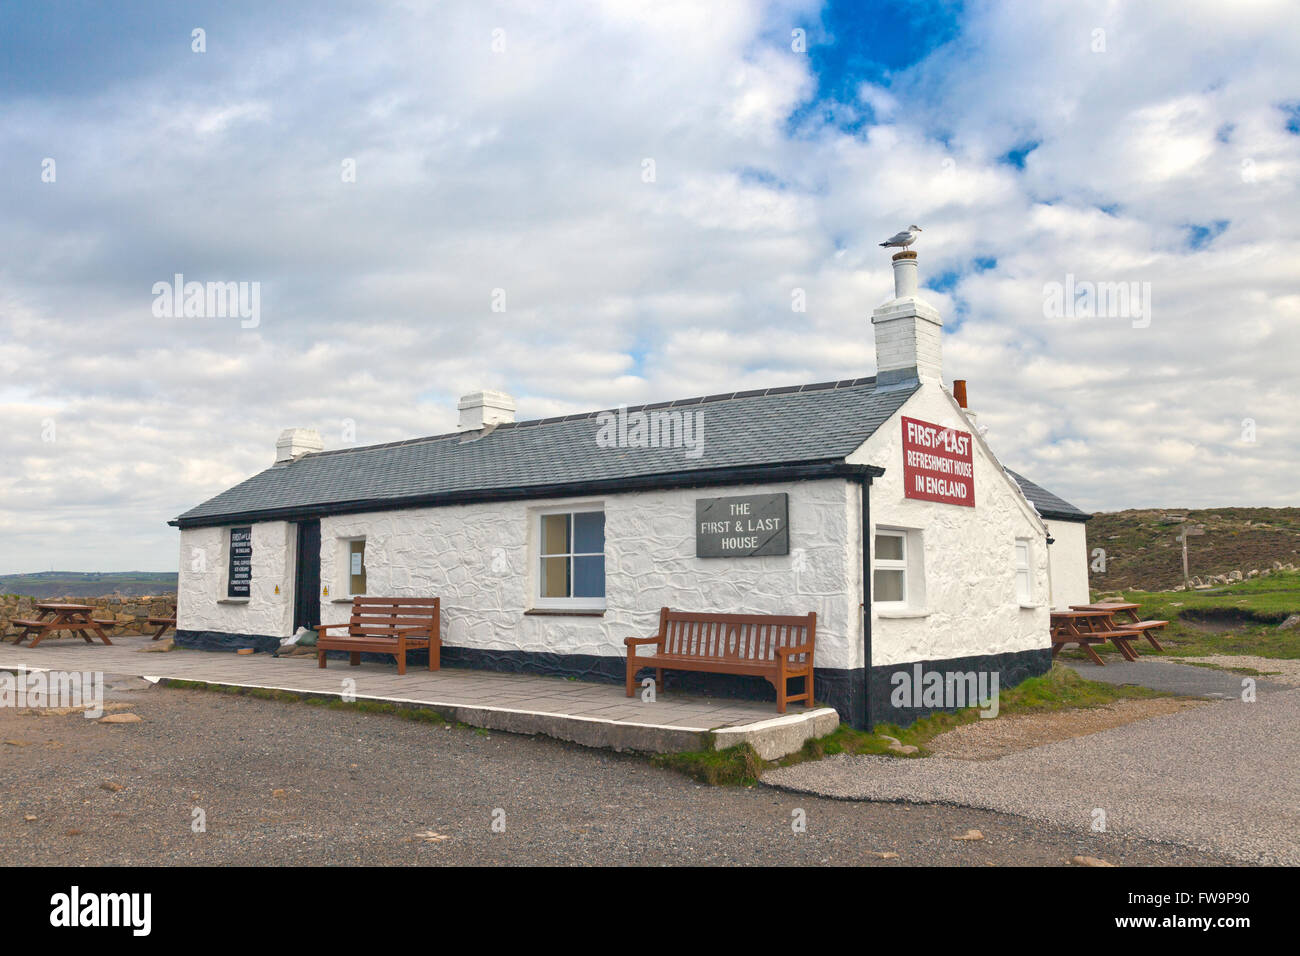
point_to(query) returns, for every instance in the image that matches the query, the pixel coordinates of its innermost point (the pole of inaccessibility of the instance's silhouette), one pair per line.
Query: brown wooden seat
(1121, 641)
(1145, 628)
(386, 626)
(162, 623)
(770, 646)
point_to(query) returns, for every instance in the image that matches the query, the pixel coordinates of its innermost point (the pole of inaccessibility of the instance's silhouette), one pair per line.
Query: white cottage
(883, 510)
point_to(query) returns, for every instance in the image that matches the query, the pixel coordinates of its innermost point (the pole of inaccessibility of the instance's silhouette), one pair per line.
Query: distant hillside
(1142, 548)
(50, 584)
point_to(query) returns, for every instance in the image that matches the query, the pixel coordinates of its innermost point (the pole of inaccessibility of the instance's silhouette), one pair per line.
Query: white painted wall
(1069, 556)
(970, 605)
(478, 558)
(201, 603)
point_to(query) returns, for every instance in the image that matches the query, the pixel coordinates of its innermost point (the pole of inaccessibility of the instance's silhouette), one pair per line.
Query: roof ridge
(649, 406)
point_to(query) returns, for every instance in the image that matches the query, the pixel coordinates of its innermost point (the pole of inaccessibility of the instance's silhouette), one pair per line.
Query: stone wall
(130, 613)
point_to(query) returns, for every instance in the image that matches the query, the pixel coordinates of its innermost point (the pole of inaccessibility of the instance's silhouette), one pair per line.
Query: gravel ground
(1223, 778)
(990, 739)
(1279, 671)
(1167, 675)
(287, 783)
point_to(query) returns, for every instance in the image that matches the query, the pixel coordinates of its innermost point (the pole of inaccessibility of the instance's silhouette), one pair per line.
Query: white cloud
(522, 170)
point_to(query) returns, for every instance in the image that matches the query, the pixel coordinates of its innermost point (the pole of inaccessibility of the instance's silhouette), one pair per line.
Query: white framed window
(1024, 578)
(569, 566)
(889, 576)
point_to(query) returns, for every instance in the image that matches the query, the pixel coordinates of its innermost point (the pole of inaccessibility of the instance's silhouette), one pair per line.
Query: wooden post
(1187, 581)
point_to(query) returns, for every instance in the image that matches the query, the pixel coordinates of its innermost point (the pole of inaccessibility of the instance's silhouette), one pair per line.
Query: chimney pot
(959, 392)
(487, 407)
(905, 281)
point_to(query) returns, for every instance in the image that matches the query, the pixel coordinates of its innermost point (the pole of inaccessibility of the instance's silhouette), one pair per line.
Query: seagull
(904, 238)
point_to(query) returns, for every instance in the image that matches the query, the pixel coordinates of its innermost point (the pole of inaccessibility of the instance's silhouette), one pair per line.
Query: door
(306, 588)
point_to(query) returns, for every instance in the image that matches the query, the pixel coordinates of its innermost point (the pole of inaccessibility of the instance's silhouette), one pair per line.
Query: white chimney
(294, 442)
(480, 409)
(908, 331)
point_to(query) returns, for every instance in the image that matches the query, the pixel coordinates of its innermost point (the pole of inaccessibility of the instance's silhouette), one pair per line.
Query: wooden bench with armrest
(774, 647)
(386, 626)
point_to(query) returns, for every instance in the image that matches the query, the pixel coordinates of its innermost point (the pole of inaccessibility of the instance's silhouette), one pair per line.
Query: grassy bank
(1059, 689)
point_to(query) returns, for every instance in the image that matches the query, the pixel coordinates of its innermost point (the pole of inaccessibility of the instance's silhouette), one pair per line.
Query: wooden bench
(56, 616)
(386, 626)
(1134, 622)
(770, 646)
(1088, 627)
(1145, 628)
(162, 623)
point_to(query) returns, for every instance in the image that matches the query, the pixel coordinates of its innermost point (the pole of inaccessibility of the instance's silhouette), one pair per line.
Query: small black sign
(742, 527)
(241, 562)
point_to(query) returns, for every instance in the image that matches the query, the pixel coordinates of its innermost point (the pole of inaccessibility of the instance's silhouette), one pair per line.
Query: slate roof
(799, 424)
(1048, 504)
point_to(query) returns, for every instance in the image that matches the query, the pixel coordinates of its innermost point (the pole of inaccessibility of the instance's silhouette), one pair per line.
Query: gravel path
(1279, 671)
(1175, 678)
(288, 783)
(1223, 778)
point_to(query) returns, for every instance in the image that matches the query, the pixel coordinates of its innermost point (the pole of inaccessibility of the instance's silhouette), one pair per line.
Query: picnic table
(61, 617)
(1086, 627)
(1134, 622)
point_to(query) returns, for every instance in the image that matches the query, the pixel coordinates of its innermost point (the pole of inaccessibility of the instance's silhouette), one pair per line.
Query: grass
(1059, 689)
(1248, 612)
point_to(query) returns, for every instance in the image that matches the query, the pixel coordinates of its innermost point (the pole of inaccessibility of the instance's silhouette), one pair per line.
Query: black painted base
(218, 641)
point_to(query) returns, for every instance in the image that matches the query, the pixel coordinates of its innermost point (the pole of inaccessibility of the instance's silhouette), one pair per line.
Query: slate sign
(241, 562)
(742, 527)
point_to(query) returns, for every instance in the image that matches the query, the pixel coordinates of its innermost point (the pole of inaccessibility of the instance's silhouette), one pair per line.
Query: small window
(571, 559)
(889, 582)
(1024, 582)
(357, 566)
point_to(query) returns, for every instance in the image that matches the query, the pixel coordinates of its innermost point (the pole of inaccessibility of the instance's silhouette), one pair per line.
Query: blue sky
(504, 146)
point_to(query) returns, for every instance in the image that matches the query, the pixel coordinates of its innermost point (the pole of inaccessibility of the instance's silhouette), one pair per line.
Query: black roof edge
(744, 474)
(1064, 515)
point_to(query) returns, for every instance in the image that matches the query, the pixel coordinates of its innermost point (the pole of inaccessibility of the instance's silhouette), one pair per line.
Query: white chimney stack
(294, 442)
(908, 331)
(480, 409)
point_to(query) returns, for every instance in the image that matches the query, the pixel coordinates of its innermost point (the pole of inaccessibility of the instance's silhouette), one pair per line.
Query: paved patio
(596, 715)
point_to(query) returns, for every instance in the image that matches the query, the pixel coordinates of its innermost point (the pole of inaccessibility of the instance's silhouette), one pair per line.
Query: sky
(594, 202)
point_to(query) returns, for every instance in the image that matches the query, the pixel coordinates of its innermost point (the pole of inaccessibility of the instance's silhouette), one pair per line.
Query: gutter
(862, 720)
(744, 474)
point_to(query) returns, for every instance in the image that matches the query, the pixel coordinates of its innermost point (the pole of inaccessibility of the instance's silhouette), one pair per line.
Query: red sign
(937, 463)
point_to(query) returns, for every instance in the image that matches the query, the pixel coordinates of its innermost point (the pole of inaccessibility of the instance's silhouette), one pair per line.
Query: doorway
(306, 588)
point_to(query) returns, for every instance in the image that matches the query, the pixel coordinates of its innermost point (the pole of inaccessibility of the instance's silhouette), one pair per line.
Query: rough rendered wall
(1069, 563)
(478, 559)
(970, 605)
(201, 603)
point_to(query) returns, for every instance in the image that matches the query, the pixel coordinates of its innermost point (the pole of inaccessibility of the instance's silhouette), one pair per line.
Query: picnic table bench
(162, 623)
(1088, 627)
(55, 616)
(774, 647)
(386, 626)
(1134, 623)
